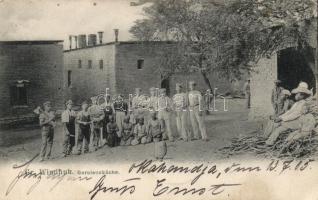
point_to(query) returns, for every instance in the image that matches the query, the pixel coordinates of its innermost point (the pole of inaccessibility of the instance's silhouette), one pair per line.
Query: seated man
(290, 119)
(283, 106)
(140, 133)
(307, 125)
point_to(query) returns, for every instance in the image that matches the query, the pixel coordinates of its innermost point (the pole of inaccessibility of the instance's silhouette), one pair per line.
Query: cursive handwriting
(29, 174)
(99, 187)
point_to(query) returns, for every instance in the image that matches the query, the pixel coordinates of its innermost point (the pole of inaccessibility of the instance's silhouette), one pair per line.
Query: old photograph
(158, 99)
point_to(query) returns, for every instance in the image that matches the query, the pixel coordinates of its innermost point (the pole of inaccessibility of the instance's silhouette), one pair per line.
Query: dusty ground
(222, 125)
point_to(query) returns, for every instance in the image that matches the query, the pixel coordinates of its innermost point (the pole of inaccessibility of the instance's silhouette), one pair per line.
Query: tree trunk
(207, 81)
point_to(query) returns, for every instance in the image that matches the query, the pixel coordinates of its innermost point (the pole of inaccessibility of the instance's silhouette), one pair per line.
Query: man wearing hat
(97, 116)
(196, 112)
(164, 113)
(47, 123)
(285, 102)
(276, 92)
(68, 120)
(180, 106)
(289, 120)
(247, 92)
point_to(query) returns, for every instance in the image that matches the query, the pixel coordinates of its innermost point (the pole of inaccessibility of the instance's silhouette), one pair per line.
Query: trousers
(47, 142)
(197, 122)
(181, 124)
(165, 119)
(285, 126)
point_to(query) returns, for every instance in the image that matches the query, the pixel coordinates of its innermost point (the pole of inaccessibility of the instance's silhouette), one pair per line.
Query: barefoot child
(127, 132)
(112, 129)
(83, 120)
(155, 128)
(140, 133)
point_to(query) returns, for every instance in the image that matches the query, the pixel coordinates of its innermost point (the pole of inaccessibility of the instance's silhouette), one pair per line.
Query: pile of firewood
(303, 148)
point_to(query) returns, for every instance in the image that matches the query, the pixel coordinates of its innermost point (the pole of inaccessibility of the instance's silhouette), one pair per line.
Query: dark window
(89, 64)
(101, 64)
(140, 63)
(79, 63)
(69, 78)
(18, 95)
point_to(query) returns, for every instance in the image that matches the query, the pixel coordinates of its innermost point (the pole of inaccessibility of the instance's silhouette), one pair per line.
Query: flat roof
(29, 42)
(120, 43)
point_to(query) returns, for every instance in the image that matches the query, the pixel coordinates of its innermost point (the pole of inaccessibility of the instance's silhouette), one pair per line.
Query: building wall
(128, 76)
(42, 65)
(262, 83)
(86, 82)
(266, 72)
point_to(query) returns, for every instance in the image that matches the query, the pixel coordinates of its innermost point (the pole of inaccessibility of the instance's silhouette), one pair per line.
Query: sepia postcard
(158, 99)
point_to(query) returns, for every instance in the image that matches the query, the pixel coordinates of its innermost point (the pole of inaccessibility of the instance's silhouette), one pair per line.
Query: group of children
(141, 121)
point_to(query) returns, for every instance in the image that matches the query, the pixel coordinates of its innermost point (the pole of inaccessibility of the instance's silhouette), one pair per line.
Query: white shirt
(195, 98)
(294, 112)
(179, 101)
(65, 118)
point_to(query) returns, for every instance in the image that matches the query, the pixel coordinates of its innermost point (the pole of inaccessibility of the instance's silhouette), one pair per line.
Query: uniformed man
(121, 109)
(276, 93)
(47, 123)
(68, 120)
(247, 92)
(196, 112)
(139, 106)
(97, 116)
(164, 113)
(180, 107)
(153, 100)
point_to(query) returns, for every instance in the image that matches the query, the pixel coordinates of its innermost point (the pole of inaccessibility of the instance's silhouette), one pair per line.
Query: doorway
(294, 66)
(165, 83)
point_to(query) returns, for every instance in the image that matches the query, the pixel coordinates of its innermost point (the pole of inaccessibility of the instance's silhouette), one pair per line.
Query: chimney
(75, 41)
(70, 38)
(116, 31)
(100, 36)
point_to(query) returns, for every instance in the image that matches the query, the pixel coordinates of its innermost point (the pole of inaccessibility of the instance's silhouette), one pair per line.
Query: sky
(57, 19)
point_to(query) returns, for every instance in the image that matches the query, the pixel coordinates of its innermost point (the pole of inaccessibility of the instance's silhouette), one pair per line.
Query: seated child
(112, 129)
(127, 132)
(154, 127)
(140, 133)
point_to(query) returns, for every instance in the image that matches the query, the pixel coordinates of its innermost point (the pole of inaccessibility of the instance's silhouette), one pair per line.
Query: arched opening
(294, 66)
(165, 83)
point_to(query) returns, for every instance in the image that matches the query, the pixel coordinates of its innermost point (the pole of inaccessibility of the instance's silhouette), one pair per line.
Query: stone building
(288, 64)
(121, 67)
(31, 72)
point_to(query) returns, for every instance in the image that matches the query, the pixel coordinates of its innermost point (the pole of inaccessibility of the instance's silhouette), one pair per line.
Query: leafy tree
(227, 38)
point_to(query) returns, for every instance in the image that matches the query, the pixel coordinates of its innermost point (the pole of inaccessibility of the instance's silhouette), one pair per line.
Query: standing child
(127, 132)
(68, 119)
(140, 133)
(112, 129)
(83, 119)
(47, 123)
(155, 128)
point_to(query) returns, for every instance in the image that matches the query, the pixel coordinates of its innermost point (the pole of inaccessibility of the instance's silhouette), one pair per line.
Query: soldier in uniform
(247, 91)
(138, 106)
(164, 113)
(97, 116)
(196, 112)
(180, 107)
(47, 123)
(68, 120)
(276, 93)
